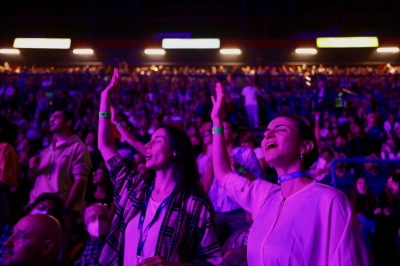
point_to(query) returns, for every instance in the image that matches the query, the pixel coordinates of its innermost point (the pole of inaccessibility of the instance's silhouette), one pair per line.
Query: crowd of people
(141, 165)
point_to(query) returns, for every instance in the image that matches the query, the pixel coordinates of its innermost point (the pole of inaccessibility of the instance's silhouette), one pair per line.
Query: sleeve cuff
(232, 181)
(113, 161)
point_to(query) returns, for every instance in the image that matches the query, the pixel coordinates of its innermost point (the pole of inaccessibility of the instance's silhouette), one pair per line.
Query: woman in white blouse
(299, 222)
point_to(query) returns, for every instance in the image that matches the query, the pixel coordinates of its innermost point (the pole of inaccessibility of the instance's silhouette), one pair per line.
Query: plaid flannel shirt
(187, 231)
(91, 253)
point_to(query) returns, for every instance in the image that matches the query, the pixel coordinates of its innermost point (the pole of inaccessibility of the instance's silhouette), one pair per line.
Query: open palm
(218, 101)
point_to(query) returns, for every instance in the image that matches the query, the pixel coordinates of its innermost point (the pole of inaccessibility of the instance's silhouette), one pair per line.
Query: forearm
(220, 155)
(78, 188)
(131, 139)
(105, 136)
(208, 177)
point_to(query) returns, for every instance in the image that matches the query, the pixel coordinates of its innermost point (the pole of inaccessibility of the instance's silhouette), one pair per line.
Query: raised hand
(113, 82)
(218, 101)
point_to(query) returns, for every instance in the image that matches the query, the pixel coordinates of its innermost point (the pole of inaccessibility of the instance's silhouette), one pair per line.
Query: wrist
(217, 123)
(105, 114)
(217, 130)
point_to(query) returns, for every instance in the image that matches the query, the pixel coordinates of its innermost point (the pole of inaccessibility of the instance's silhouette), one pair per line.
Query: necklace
(291, 176)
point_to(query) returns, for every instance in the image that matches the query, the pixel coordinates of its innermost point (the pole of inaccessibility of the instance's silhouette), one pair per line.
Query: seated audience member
(365, 205)
(9, 168)
(388, 229)
(101, 190)
(249, 140)
(322, 166)
(358, 144)
(97, 221)
(195, 137)
(373, 174)
(95, 155)
(46, 203)
(391, 125)
(35, 241)
(374, 130)
(342, 178)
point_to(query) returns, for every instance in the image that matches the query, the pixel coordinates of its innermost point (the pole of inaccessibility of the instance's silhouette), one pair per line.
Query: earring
(301, 156)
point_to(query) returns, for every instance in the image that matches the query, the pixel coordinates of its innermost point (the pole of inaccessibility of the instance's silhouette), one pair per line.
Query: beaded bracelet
(218, 130)
(105, 114)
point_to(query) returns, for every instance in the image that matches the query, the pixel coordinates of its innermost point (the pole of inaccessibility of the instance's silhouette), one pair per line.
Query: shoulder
(328, 195)
(75, 141)
(199, 202)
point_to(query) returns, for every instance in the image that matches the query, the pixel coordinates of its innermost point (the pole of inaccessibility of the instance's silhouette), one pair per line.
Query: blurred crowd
(354, 111)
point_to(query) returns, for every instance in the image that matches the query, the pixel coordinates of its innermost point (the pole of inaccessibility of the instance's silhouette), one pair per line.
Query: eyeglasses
(52, 117)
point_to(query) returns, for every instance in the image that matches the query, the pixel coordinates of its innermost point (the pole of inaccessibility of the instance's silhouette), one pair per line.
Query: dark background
(266, 31)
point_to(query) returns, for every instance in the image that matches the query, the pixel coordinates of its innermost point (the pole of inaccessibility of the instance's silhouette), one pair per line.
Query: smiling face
(281, 144)
(158, 151)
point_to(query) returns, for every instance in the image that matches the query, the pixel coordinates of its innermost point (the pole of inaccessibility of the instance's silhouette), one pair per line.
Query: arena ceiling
(121, 23)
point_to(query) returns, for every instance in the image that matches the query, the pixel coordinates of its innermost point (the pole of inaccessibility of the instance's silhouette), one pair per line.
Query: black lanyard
(143, 234)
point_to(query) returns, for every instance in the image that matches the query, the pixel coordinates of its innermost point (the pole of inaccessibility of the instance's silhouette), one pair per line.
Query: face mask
(97, 229)
(37, 211)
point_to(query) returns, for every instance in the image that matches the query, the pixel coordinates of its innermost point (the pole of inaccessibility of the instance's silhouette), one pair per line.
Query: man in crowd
(97, 221)
(35, 241)
(64, 166)
(63, 169)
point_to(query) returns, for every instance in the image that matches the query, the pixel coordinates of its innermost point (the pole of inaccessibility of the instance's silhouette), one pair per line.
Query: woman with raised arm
(164, 218)
(299, 221)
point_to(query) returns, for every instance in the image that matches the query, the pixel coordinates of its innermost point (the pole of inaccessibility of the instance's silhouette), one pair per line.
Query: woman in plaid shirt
(163, 218)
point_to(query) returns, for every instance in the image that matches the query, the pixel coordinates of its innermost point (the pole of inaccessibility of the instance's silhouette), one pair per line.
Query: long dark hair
(184, 164)
(392, 199)
(305, 133)
(367, 203)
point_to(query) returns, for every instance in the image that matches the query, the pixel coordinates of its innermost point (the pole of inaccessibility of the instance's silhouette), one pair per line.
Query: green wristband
(241, 170)
(217, 130)
(105, 114)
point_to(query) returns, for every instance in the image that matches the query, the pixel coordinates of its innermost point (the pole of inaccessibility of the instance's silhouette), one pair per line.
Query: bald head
(35, 241)
(47, 227)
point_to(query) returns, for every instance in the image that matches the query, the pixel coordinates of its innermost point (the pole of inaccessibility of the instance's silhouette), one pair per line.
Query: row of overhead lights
(313, 51)
(176, 43)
